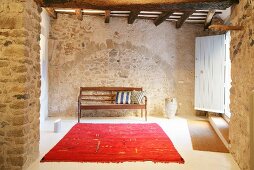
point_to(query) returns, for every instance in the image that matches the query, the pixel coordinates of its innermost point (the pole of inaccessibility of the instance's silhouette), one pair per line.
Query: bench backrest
(110, 89)
(103, 94)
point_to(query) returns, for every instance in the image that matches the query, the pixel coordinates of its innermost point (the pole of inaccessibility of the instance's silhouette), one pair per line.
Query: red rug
(114, 143)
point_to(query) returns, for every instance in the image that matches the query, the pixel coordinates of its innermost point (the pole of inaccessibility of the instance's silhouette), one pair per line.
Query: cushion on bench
(137, 96)
(123, 97)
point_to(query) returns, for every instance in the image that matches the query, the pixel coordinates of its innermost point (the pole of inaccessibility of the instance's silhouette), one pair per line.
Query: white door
(210, 73)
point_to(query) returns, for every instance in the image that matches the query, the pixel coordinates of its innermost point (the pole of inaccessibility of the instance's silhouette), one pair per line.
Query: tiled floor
(176, 129)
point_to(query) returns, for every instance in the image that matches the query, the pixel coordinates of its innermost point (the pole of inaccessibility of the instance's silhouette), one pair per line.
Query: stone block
(17, 132)
(1, 160)
(3, 107)
(4, 63)
(2, 133)
(25, 61)
(7, 43)
(21, 41)
(6, 72)
(4, 80)
(21, 79)
(4, 33)
(7, 99)
(16, 150)
(16, 8)
(19, 105)
(20, 120)
(22, 96)
(19, 33)
(18, 89)
(22, 141)
(2, 110)
(10, 21)
(3, 124)
(19, 69)
(19, 112)
(16, 160)
(15, 51)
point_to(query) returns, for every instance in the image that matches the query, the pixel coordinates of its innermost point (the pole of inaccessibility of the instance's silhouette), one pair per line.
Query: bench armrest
(145, 99)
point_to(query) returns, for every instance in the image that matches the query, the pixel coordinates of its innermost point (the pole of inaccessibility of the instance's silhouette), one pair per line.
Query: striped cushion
(137, 96)
(123, 97)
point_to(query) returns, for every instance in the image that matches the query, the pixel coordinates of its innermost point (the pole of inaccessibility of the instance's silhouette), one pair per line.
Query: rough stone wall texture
(242, 58)
(92, 53)
(19, 83)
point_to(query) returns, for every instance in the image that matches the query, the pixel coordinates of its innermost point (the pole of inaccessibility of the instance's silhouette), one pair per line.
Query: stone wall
(20, 83)
(92, 53)
(242, 58)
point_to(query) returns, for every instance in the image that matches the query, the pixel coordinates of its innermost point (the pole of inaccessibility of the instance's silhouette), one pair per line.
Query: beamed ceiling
(179, 11)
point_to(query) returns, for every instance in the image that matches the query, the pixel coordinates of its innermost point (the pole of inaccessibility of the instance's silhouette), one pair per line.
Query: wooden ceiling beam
(107, 16)
(162, 17)
(141, 5)
(133, 16)
(209, 18)
(183, 18)
(51, 12)
(79, 14)
(225, 28)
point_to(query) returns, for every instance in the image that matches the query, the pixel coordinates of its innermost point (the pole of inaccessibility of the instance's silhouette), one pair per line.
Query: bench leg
(145, 108)
(146, 114)
(78, 116)
(141, 112)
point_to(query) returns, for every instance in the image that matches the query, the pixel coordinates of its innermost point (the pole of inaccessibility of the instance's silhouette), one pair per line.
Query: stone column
(242, 58)
(19, 83)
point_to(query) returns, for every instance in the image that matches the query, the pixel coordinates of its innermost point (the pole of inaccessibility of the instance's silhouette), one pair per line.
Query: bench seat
(113, 106)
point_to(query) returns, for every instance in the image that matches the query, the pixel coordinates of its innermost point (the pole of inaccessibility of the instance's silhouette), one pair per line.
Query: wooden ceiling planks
(180, 11)
(198, 17)
(140, 5)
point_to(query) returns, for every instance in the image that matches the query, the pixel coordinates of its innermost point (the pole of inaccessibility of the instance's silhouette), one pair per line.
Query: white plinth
(57, 126)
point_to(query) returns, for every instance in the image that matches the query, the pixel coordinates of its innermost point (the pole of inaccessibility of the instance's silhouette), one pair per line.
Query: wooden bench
(98, 98)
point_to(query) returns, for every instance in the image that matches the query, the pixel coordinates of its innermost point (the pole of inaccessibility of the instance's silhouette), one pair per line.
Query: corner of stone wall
(20, 83)
(241, 52)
